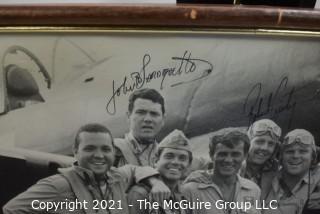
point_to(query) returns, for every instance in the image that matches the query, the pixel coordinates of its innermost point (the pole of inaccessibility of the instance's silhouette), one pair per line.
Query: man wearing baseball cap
(261, 164)
(296, 188)
(173, 157)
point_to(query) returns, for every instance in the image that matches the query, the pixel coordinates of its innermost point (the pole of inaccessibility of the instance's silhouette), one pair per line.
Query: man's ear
(246, 156)
(280, 160)
(164, 118)
(74, 150)
(128, 117)
(156, 160)
(211, 156)
(276, 152)
(128, 114)
(315, 160)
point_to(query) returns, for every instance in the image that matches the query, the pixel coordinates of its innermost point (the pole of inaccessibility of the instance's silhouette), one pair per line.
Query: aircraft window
(21, 86)
(22, 89)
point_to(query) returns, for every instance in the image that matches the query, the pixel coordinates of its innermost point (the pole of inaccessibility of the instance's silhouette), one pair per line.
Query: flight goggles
(264, 126)
(300, 136)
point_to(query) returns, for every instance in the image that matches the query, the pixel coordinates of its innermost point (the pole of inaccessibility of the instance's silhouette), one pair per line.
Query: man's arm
(135, 174)
(198, 163)
(314, 200)
(28, 201)
(191, 192)
(136, 193)
(147, 175)
(119, 160)
(257, 199)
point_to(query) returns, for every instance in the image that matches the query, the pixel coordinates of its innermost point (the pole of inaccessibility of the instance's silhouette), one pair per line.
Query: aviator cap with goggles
(263, 127)
(301, 136)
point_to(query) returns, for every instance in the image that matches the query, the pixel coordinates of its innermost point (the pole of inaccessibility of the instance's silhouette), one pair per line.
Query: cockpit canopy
(22, 89)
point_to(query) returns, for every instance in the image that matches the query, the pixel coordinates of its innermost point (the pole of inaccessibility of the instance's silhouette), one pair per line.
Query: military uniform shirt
(143, 157)
(293, 201)
(200, 187)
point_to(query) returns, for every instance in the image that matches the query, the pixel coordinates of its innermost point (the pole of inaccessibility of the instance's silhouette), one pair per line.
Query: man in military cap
(173, 157)
(261, 164)
(296, 188)
(146, 113)
(222, 186)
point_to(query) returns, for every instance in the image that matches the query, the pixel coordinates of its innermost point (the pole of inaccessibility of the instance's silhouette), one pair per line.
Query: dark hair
(92, 128)
(160, 150)
(146, 93)
(229, 137)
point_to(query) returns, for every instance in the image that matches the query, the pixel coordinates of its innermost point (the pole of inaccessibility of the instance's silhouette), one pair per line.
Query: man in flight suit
(146, 113)
(261, 164)
(90, 181)
(146, 118)
(296, 188)
(173, 157)
(223, 186)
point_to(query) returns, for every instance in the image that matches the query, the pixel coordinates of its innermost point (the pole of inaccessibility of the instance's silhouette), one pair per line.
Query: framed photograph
(63, 66)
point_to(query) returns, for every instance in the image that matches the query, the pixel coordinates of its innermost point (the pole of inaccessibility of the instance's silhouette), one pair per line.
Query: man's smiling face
(261, 149)
(296, 159)
(227, 160)
(95, 152)
(173, 163)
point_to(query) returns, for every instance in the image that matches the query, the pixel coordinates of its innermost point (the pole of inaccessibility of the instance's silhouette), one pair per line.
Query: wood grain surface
(159, 16)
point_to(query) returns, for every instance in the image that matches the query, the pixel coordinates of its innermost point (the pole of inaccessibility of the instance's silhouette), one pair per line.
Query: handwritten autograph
(136, 80)
(274, 103)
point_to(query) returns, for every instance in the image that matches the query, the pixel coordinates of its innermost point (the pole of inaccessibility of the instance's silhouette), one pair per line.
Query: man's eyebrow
(221, 152)
(141, 109)
(168, 153)
(89, 146)
(238, 151)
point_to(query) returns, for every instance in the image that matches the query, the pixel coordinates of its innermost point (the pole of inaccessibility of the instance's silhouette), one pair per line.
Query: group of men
(251, 171)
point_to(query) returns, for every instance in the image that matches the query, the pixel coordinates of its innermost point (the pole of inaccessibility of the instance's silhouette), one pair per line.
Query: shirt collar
(270, 165)
(276, 181)
(136, 148)
(304, 179)
(84, 173)
(242, 182)
(87, 174)
(133, 143)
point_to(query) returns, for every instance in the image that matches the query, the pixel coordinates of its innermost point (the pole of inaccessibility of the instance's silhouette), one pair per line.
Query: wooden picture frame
(217, 66)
